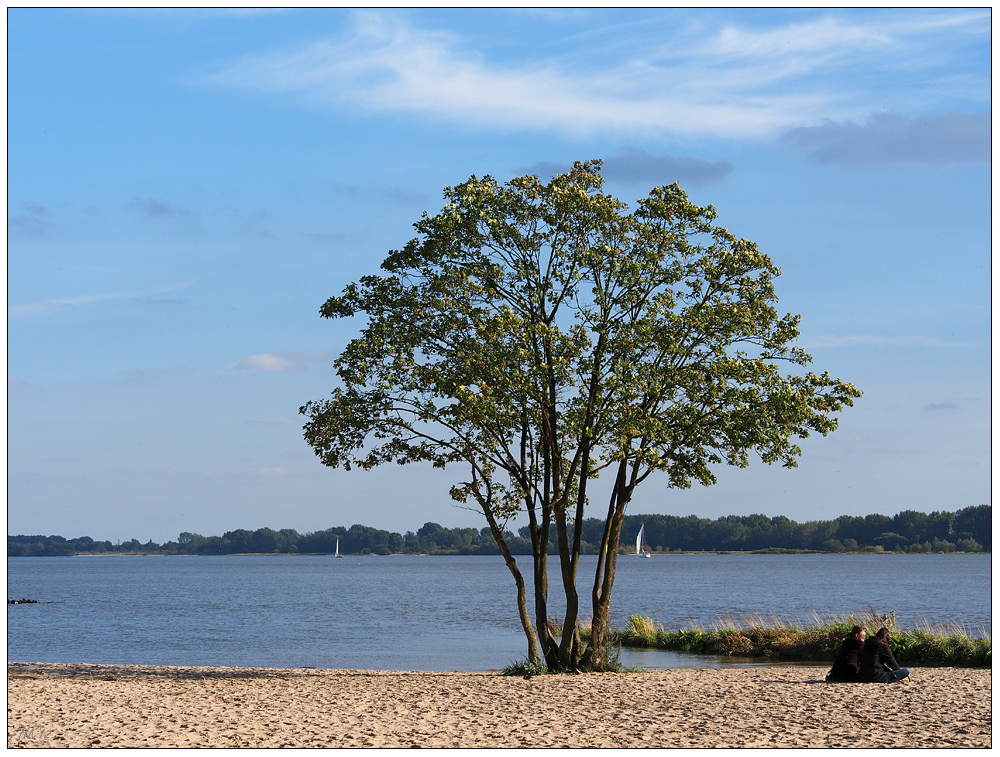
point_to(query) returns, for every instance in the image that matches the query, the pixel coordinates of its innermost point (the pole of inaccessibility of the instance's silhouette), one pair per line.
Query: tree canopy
(540, 336)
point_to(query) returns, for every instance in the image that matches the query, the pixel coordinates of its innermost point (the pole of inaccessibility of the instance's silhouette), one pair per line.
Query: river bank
(762, 638)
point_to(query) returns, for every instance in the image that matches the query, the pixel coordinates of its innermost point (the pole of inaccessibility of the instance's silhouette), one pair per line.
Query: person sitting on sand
(878, 665)
(848, 663)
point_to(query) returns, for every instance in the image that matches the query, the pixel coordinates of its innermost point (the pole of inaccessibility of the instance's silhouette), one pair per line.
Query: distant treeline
(968, 530)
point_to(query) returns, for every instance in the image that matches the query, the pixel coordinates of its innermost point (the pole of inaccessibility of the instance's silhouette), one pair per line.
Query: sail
(638, 540)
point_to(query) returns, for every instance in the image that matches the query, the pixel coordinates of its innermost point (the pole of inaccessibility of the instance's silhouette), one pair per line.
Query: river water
(437, 613)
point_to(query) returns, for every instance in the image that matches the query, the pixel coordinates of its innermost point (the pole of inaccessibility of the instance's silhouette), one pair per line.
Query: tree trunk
(486, 504)
(607, 563)
(522, 600)
(602, 597)
(540, 555)
(570, 649)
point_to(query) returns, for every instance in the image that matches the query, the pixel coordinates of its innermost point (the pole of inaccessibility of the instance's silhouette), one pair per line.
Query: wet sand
(50, 705)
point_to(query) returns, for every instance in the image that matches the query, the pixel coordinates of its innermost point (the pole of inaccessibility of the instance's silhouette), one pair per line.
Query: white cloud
(286, 360)
(736, 82)
(387, 66)
(267, 362)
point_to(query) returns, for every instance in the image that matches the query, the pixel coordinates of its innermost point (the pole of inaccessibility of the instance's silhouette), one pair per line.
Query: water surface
(435, 613)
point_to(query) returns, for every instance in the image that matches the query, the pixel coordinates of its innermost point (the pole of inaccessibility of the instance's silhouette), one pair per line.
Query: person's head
(859, 633)
(882, 637)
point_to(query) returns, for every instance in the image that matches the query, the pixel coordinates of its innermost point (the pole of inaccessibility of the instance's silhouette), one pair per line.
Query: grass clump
(526, 668)
(770, 638)
(956, 650)
(607, 660)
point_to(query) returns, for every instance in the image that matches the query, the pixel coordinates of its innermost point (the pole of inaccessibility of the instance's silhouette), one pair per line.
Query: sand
(51, 705)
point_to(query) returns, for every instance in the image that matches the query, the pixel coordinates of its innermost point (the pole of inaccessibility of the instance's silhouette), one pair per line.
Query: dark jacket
(874, 659)
(846, 666)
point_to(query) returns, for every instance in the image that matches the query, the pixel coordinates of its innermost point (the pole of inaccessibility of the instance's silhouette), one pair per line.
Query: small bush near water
(609, 661)
(772, 639)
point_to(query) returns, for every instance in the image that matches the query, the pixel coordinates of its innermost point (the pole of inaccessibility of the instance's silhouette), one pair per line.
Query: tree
(976, 523)
(188, 542)
(539, 335)
(833, 545)
(240, 539)
(265, 540)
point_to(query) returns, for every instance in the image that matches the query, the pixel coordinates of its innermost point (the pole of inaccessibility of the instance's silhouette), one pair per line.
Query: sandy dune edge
(51, 705)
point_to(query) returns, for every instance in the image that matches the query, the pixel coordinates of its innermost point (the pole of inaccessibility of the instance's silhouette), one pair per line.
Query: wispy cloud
(290, 360)
(48, 306)
(797, 47)
(159, 208)
(734, 82)
(939, 406)
(267, 362)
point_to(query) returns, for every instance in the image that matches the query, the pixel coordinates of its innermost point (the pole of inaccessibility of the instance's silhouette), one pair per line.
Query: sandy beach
(55, 705)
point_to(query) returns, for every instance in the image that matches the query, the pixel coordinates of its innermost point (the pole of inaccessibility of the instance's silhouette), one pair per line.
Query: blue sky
(186, 188)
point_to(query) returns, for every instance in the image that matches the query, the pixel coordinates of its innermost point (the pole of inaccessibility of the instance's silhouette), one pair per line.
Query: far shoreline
(678, 553)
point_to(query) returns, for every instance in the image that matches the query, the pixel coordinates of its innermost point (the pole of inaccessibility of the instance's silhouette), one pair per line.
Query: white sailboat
(337, 553)
(638, 543)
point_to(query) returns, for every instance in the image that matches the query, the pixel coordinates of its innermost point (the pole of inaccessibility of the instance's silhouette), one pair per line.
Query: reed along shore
(68, 705)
